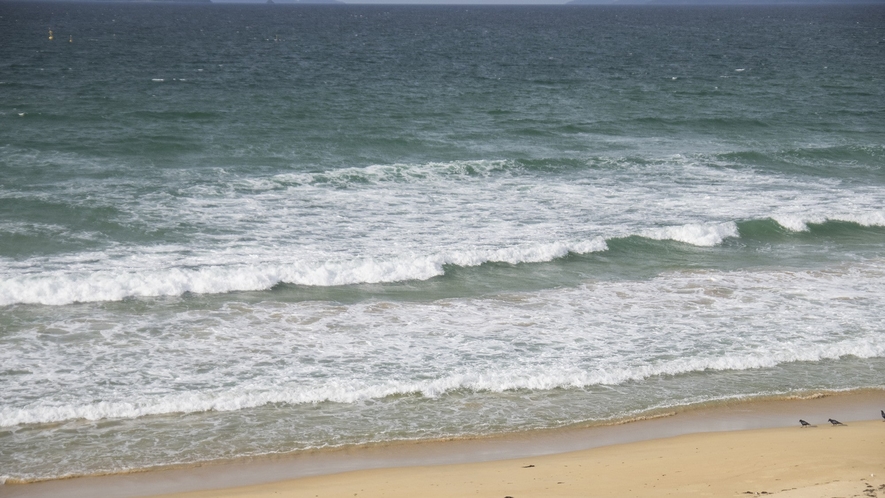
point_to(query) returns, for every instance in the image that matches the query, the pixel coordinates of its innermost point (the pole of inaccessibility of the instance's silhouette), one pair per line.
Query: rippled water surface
(232, 230)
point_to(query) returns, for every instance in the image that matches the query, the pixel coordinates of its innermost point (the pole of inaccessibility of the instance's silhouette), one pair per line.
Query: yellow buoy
(50, 34)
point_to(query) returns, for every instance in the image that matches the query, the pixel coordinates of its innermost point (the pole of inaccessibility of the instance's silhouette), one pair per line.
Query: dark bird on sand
(804, 423)
(834, 422)
(883, 413)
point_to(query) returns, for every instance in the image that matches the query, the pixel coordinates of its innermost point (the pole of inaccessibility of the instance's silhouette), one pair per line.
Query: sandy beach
(738, 448)
(825, 461)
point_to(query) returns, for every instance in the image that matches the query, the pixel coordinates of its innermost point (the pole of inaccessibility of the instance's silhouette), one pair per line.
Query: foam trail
(350, 391)
(401, 172)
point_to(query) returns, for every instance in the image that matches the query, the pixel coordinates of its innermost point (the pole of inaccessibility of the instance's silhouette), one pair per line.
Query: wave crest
(695, 234)
(60, 287)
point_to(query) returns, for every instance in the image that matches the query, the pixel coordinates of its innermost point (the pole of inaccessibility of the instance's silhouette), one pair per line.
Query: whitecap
(706, 235)
(62, 287)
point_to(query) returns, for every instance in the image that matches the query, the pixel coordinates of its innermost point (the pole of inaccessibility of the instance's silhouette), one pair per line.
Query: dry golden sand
(822, 461)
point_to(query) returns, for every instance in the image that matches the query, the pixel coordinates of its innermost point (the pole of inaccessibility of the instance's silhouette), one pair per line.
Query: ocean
(241, 230)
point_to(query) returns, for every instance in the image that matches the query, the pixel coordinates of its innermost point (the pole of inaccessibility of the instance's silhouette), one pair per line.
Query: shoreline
(788, 462)
(724, 416)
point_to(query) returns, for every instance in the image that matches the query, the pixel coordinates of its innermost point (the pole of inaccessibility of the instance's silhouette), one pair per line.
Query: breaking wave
(60, 287)
(345, 391)
(151, 279)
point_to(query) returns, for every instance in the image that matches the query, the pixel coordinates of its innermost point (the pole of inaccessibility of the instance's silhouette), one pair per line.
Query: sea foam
(65, 287)
(706, 235)
(351, 391)
(799, 223)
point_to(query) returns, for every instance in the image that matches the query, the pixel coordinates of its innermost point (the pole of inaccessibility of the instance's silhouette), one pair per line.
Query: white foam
(792, 222)
(706, 235)
(353, 391)
(398, 172)
(799, 223)
(62, 287)
(535, 253)
(386, 223)
(607, 333)
(869, 219)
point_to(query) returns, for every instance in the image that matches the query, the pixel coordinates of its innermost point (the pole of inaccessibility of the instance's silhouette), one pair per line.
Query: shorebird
(804, 423)
(834, 422)
(883, 413)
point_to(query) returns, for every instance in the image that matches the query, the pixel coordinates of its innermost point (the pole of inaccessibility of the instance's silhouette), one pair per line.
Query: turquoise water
(231, 230)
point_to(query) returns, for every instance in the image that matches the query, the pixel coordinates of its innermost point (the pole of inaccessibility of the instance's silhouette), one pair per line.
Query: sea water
(238, 230)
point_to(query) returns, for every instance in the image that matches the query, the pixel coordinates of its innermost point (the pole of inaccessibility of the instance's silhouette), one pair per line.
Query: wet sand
(815, 462)
(729, 449)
